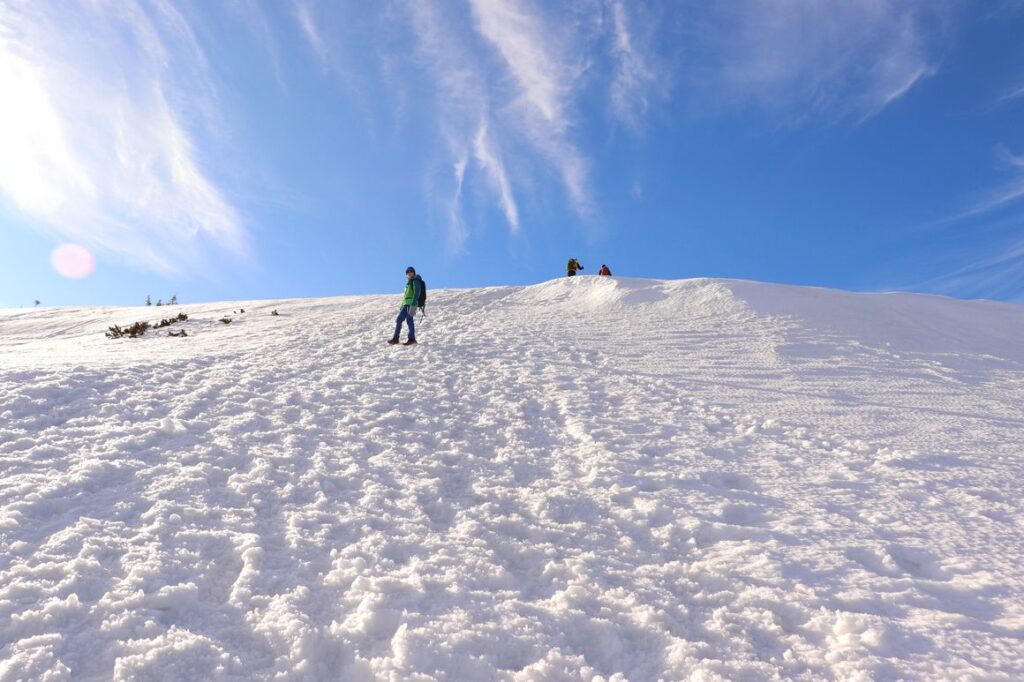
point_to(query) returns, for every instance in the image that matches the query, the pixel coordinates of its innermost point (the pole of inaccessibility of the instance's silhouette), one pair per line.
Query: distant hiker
(415, 295)
(604, 271)
(572, 267)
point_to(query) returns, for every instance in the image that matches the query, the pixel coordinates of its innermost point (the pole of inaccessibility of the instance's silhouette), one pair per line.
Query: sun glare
(73, 261)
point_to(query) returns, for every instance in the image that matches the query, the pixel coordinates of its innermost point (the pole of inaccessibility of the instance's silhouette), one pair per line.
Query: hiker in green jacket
(413, 288)
(572, 267)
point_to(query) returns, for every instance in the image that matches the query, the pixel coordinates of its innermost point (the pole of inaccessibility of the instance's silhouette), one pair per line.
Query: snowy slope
(583, 479)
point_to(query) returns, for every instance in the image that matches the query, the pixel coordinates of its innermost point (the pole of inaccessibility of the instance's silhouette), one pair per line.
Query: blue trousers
(404, 314)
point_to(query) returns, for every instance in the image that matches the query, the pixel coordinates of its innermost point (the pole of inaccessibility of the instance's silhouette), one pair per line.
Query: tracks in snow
(533, 488)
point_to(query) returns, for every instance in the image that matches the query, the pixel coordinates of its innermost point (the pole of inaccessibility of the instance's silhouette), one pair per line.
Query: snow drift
(583, 479)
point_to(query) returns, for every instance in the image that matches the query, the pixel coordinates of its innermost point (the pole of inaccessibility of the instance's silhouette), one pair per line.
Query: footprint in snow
(729, 480)
(918, 562)
(743, 515)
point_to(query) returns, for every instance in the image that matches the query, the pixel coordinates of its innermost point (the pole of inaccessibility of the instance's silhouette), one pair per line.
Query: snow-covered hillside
(583, 479)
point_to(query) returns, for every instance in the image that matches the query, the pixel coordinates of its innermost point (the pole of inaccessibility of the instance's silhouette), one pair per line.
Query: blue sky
(263, 149)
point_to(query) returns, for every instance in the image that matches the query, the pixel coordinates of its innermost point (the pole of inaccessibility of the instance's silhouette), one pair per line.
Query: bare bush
(133, 331)
(137, 329)
(180, 317)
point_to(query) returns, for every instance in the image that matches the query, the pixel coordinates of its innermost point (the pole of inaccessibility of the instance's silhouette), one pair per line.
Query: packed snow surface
(583, 479)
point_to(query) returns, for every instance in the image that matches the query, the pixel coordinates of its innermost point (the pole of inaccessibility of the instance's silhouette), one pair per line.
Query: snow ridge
(589, 478)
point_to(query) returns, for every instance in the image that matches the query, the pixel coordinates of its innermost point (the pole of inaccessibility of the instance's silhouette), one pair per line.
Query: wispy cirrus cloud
(509, 77)
(97, 131)
(1000, 210)
(545, 64)
(489, 160)
(471, 141)
(997, 274)
(464, 114)
(804, 58)
(500, 85)
(515, 79)
(457, 231)
(1011, 94)
(530, 54)
(996, 198)
(304, 14)
(636, 77)
(252, 15)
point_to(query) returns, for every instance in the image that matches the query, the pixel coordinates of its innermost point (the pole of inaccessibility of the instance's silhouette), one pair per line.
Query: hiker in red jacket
(604, 271)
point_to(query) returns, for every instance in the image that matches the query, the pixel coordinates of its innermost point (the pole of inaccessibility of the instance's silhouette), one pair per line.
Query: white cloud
(458, 233)
(96, 147)
(1012, 159)
(545, 70)
(804, 58)
(634, 76)
(121, 168)
(465, 110)
(491, 163)
(1000, 273)
(304, 15)
(506, 79)
(530, 54)
(997, 199)
(636, 190)
(1000, 197)
(1011, 94)
(253, 16)
(37, 168)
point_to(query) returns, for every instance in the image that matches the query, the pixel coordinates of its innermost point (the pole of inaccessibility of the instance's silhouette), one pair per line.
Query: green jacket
(412, 292)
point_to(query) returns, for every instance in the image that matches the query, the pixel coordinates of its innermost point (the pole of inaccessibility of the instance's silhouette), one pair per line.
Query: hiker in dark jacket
(572, 267)
(604, 271)
(413, 287)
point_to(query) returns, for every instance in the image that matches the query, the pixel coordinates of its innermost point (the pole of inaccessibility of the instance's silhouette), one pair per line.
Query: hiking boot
(393, 341)
(410, 342)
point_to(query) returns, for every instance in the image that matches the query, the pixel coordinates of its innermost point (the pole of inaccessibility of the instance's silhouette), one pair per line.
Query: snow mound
(694, 296)
(913, 323)
(588, 478)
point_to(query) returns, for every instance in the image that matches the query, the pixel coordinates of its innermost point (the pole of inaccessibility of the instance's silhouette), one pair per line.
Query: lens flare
(73, 261)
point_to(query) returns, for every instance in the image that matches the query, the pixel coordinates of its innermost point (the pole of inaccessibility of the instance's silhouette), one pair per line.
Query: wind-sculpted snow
(583, 479)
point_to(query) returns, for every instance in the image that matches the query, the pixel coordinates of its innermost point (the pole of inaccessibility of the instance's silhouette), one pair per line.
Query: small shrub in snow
(137, 329)
(225, 320)
(274, 312)
(180, 317)
(133, 331)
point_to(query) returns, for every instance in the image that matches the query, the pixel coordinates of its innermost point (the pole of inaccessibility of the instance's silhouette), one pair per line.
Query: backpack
(422, 302)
